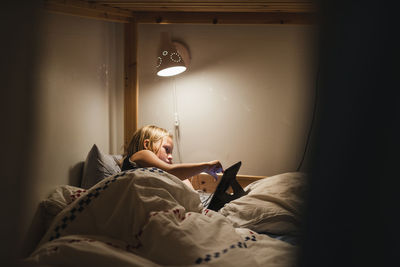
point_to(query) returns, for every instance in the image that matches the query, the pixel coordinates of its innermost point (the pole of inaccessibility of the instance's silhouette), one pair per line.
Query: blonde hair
(150, 132)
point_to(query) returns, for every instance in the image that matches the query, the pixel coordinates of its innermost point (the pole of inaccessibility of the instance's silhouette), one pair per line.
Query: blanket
(147, 217)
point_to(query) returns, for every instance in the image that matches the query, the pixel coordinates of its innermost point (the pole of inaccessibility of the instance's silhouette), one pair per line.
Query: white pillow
(99, 166)
(47, 210)
(61, 197)
(272, 205)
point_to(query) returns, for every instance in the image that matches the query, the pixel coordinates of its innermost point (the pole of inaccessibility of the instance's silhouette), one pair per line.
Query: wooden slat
(131, 82)
(93, 12)
(214, 5)
(243, 13)
(224, 18)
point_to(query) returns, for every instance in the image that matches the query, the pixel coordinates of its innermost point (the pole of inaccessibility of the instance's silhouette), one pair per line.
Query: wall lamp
(173, 57)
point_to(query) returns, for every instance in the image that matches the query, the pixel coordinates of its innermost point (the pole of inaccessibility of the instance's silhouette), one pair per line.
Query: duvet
(147, 217)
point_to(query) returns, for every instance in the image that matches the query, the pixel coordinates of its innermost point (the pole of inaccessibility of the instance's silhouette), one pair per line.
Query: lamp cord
(176, 123)
(175, 105)
(312, 120)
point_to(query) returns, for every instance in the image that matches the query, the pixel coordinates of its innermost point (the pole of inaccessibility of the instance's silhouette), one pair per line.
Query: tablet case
(220, 197)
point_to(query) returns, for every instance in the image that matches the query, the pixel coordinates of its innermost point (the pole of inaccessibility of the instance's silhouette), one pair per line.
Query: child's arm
(146, 158)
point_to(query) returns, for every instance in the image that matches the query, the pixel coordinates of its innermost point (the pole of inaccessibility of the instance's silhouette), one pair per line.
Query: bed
(148, 217)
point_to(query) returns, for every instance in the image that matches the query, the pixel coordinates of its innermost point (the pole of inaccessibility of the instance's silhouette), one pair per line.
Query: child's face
(165, 151)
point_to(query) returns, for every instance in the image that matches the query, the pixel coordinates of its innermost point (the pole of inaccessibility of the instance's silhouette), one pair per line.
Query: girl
(152, 146)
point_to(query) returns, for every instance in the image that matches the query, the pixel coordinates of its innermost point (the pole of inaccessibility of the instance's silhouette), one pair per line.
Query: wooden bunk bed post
(131, 80)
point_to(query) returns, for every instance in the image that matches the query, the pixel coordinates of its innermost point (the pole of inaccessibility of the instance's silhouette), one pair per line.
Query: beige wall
(79, 98)
(247, 94)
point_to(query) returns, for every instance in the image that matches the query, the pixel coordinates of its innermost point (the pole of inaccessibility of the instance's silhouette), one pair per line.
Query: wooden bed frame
(133, 12)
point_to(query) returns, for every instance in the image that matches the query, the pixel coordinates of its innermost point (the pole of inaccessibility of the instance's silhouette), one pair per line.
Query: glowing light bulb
(171, 71)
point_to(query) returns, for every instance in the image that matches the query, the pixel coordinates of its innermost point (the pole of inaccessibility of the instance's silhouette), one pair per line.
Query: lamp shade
(173, 57)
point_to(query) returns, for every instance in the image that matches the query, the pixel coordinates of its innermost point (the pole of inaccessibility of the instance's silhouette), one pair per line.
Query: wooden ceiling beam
(288, 6)
(224, 18)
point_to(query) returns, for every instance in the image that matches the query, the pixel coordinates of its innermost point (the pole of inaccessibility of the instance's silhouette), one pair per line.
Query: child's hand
(214, 167)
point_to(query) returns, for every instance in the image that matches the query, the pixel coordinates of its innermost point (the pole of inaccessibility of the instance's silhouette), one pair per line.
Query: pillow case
(99, 166)
(272, 205)
(61, 197)
(47, 210)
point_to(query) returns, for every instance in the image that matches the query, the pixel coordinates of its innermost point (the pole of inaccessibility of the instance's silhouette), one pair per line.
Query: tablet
(220, 197)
